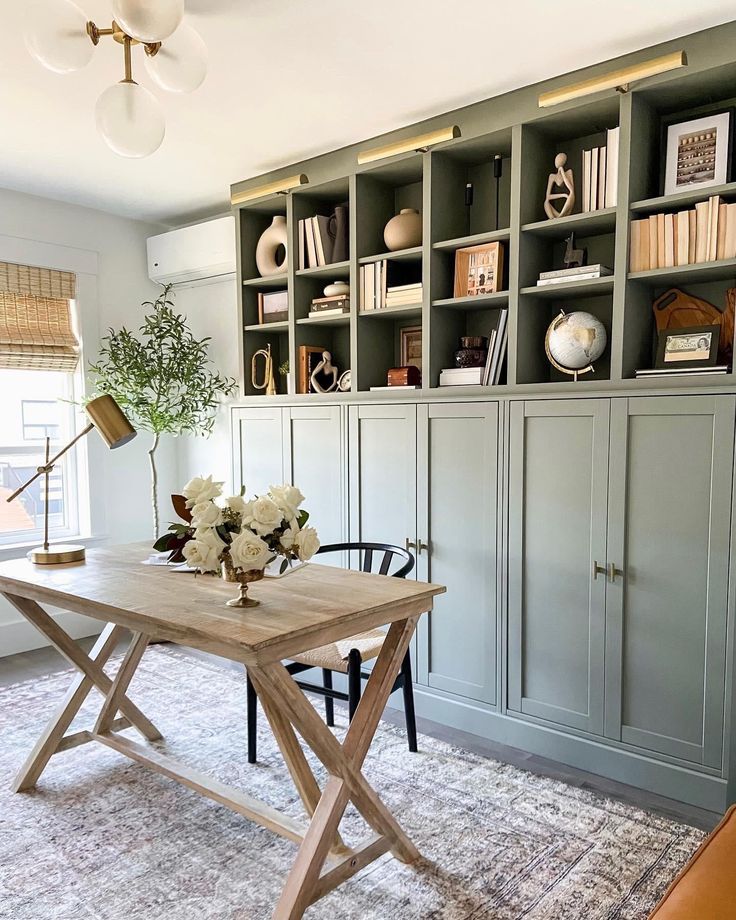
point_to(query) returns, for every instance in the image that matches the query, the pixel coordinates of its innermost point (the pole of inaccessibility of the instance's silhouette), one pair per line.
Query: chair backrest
(370, 551)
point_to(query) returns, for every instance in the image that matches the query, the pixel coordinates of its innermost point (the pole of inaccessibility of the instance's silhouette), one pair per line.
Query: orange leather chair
(706, 887)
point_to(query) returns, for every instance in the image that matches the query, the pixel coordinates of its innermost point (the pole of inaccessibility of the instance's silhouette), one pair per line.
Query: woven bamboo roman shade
(35, 319)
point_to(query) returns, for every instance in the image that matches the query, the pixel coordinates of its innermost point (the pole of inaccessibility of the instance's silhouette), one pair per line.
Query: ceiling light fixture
(129, 117)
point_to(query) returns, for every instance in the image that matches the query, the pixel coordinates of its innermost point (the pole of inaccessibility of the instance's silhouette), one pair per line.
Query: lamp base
(56, 555)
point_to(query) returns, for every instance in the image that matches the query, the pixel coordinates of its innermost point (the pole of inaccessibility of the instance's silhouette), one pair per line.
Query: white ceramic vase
(272, 238)
(337, 287)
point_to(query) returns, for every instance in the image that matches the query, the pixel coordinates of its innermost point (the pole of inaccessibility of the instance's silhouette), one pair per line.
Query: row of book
(490, 374)
(705, 233)
(377, 294)
(713, 371)
(324, 239)
(335, 305)
(600, 174)
(576, 273)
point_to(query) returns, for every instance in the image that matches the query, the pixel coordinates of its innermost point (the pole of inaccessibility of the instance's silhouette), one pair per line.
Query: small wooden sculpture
(573, 258)
(561, 179)
(325, 369)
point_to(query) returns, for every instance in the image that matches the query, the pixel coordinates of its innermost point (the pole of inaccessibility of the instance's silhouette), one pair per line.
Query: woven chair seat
(334, 656)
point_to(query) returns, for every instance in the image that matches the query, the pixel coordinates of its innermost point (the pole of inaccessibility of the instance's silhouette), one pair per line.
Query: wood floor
(16, 668)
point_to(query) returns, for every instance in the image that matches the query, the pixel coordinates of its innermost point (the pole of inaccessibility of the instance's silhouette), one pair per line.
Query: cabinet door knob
(598, 570)
(613, 572)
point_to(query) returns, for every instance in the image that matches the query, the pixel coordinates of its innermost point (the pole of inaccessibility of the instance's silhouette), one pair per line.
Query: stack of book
(682, 371)
(323, 240)
(579, 273)
(330, 306)
(491, 373)
(377, 294)
(600, 174)
(706, 233)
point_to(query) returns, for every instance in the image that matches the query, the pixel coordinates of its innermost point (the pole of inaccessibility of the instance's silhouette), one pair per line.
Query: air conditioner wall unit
(200, 254)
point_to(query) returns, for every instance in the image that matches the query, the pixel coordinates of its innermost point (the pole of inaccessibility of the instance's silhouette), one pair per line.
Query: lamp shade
(130, 119)
(147, 21)
(56, 35)
(180, 64)
(110, 420)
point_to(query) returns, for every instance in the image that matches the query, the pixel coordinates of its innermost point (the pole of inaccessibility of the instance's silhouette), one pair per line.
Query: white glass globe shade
(56, 35)
(180, 64)
(130, 120)
(146, 20)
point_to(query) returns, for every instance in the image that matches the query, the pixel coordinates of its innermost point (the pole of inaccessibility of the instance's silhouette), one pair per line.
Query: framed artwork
(273, 307)
(411, 347)
(478, 270)
(691, 346)
(697, 153)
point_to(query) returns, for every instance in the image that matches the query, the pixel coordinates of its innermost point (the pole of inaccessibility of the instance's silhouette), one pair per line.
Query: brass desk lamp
(111, 422)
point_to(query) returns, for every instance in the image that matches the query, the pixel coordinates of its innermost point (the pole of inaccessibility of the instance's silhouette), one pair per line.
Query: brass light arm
(128, 62)
(48, 466)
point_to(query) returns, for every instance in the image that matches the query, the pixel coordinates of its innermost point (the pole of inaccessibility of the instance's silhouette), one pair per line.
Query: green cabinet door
(558, 478)
(258, 448)
(669, 528)
(458, 515)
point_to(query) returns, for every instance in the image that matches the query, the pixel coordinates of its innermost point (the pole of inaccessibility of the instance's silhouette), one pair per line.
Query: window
(40, 419)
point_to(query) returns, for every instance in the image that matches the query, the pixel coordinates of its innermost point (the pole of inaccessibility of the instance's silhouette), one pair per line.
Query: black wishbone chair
(367, 645)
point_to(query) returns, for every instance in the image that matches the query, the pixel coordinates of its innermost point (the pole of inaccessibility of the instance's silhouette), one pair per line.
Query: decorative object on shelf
(336, 288)
(478, 270)
(345, 382)
(240, 538)
(309, 358)
(323, 239)
(404, 231)
(573, 258)
(697, 153)
(332, 305)
(129, 117)
(109, 419)
(676, 309)
(420, 144)
(410, 347)
(574, 341)
(497, 173)
(563, 179)
(288, 381)
(272, 253)
(581, 273)
(473, 351)
(162, 380)
(323, 378)
(408, 376)
(273, 307)
(268, 383)
(690, 346)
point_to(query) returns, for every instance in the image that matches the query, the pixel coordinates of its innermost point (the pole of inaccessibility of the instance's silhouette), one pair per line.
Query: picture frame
(309, 358)
(697, 153)
(687, 346)
(410, 350)
(273, 307)
(479, 270)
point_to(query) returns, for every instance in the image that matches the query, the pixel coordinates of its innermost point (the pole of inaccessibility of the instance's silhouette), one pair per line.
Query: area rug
(102, 838)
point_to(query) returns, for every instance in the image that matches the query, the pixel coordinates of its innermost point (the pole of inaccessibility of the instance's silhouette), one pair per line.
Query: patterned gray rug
(105, 839)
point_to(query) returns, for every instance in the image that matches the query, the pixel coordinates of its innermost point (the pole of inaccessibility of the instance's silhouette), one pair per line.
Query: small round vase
(231, 574)
(404, 230)
(337, 287)
(271, 241)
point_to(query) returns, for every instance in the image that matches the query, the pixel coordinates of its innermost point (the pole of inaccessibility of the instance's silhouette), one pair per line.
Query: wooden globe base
(57, 555)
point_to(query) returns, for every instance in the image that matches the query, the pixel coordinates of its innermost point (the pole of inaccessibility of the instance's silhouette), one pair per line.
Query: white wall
(119, 480)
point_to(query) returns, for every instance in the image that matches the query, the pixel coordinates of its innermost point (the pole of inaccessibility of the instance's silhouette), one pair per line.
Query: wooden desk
(311, 607)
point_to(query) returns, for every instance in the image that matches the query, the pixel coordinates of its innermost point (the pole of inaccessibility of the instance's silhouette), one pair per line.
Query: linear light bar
(273, 188)
(420, 142)
(617, 79)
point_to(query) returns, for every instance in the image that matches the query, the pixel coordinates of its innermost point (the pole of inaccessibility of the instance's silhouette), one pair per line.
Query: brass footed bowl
(231, 574)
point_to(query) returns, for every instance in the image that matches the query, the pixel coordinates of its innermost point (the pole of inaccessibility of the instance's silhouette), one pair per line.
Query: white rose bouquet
(243, 535)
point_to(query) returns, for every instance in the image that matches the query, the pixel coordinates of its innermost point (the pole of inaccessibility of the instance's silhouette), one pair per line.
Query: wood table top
(307, 608)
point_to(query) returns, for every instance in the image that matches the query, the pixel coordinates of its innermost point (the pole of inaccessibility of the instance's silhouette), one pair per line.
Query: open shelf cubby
(524, 139)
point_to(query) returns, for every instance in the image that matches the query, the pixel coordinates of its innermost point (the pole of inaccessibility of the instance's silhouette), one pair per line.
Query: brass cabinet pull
(613, 572)
(421, 546)
(409, 545)
(598, 570)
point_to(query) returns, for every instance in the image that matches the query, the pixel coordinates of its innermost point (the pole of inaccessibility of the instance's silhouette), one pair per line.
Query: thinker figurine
(561, 179)
(325, 369)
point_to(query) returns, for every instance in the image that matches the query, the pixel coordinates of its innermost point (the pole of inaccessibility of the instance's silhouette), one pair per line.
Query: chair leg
(408, 691)
(252, 711)
(355, 662)
(329, 702)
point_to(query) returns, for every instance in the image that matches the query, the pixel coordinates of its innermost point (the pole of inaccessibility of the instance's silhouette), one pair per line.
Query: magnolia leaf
(180, 506)
(284, 566)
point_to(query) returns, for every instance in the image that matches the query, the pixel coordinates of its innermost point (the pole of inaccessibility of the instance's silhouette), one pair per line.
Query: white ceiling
(289, 79)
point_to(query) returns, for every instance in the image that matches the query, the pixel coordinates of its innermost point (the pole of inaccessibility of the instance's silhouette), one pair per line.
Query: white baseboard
(19, 636)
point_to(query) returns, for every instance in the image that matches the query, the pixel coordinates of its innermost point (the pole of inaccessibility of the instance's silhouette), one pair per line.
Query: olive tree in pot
(161, 379)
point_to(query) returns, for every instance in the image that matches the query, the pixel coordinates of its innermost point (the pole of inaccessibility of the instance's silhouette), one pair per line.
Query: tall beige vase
(272, 238)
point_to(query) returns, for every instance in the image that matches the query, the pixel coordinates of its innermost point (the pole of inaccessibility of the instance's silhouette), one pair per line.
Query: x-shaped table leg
(307, 882)
(54, 737)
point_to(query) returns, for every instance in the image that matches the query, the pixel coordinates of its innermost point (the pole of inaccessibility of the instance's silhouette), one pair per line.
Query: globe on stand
(574, 341)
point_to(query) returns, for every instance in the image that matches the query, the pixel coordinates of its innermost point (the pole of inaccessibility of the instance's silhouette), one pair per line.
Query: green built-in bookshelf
(509, 210)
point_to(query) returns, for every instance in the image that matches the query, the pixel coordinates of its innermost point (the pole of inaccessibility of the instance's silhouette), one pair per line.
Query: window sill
(19, 550)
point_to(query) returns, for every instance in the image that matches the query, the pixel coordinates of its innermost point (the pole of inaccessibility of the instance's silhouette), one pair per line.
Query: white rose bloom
(248, 552)
(289, 536)
(306, 543)
(199, 490)
(267, 516)
(206, 514)
(288, 498)
(236, 503)
(203, 551)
